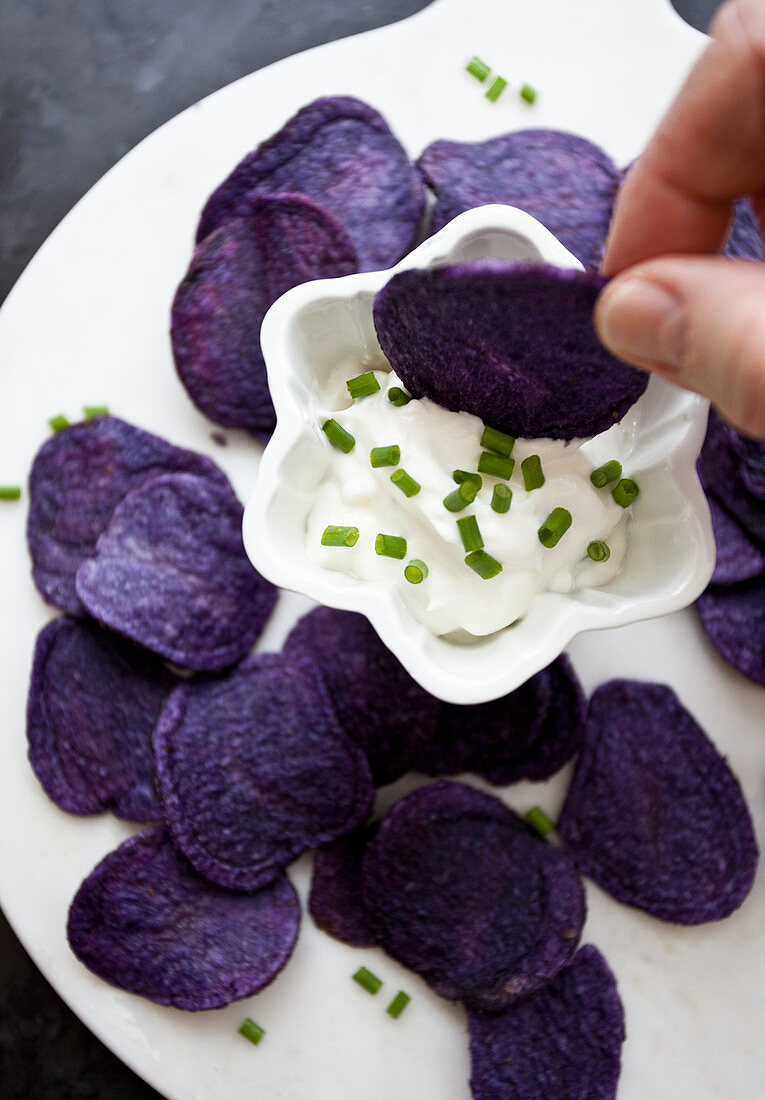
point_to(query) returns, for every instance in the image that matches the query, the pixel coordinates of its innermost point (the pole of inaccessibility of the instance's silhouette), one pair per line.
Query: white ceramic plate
(87, 323)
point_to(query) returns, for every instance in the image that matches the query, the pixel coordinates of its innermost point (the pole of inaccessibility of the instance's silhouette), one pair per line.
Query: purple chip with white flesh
(235, 275)
(564, 1043)
(78, 478)
(170, 572)
(342, 153)
(145, 921)
(654, 814)
(94, 700)
(513, 344)
(734, 618)
(253, 769)
(564, 181)
(335, 899)
(460, 891)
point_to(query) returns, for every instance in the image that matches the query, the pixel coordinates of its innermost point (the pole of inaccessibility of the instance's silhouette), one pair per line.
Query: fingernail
(640, 319)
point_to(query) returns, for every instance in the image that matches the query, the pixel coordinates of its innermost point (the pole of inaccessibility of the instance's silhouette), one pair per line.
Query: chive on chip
(500, 442)
(398, 1004)
(338, 436)
(625, 492)
(390, 546)
(467, 475)
(340, 536)
(497, 88)
(408, 486)
(533, 477)
(398, 397)
(95, 410)
(251, 1031)
(606, 473)
(599, 550)
(528, 93)
(483, 564)
(470, 533)
(367, 980)
(496, 465)
(58, 422)
(540, 822)
(362, 385)
(554, 527)
(501, 498)
(385, 456)
(477, 68)
(416, 571)
(463, 495)
(10, 492)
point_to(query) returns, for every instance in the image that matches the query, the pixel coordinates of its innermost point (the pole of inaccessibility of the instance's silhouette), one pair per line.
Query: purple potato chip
(235, 275)
(654, 814)
(145, 921)
(335, 899)
(738, 557)
(511, 343)
(564, 1043)
(378, 703)
(171, 573)
(734, 619)
(562, 731)
(94, 700)
(744, 240)
(460, 891)
(253, 769)
(342, 153)
(732, 469)
(562, 180)
(78, 478)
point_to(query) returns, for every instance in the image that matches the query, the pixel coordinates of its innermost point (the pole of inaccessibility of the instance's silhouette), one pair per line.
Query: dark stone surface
(80, 84)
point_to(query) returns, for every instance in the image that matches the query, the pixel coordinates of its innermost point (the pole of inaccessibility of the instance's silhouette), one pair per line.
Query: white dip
(433, 443)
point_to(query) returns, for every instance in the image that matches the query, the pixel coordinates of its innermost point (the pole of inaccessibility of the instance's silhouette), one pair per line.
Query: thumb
(698, 321)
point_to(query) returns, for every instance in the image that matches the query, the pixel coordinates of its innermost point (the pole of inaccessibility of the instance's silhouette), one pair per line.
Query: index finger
(708, 150)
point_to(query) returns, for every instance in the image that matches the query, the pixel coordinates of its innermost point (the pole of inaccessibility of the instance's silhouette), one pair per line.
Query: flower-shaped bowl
(322, 332)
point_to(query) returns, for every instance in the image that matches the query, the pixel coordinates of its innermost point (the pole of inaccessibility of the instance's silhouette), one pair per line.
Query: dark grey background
(81, 82)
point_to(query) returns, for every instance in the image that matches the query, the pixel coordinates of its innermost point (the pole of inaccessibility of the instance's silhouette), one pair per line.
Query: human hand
(697, 319)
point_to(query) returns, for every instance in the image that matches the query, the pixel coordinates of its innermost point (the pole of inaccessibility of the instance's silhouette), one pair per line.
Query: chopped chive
(470, 533)
(367, 980)
(599, 550)
(10, 492)
(479, 69)
(625, 492)
(528, 93)
(95, 410)
(397, 396)
(340, 536)
(338, 436)
(467, 475)
(463, 495)
(497, 88)
(483, 564)
(362, 385)
(408, 486)
(501, 498)
(398, 1004)
(540, 822)
(385, 456)
(533, 477)
(251, 1031)
(416, 571)
(58, 422)
(500, 442)
(609, 471)
(496, 465)
(390, 546)
(554, 527)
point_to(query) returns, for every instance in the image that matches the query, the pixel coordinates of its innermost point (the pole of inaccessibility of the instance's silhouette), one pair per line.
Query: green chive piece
(385, 456)
(470, 533)
(500, 442)
(397, 396)
(606, 473)
(554, 527)
(625, 492)
(501, 498)
(338, 436)
(479, 69)
(367, 980)
(463, 495)
(408, 486)
(10, 492)
(497, 88)
(95, 410)
(540, 822)
(58, 422)
(362, 385)
(390, 546)
(496, 465)
(340, 536)
(467, 475)
(483, 564)
(251, 1031)
(598, 550)
(398, 1004)
(528, 93)
(416, 571)
(533, 477)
